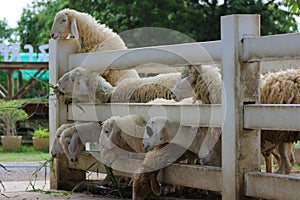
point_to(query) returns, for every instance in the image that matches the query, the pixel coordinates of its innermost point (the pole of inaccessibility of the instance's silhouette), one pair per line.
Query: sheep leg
(269, 163)
(285, 153)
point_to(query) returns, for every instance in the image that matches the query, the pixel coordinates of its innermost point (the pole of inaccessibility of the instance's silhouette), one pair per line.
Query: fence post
(63, 177)
(240, 147)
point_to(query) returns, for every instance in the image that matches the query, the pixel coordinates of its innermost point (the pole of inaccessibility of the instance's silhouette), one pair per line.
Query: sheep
(125, 133)
(143, 90)
(202, 141)
(80, 133)
(71, 138)
(205, 79)
(145, 176)
(92, 37)
(56, 147)
(279, 87)
(86, 85)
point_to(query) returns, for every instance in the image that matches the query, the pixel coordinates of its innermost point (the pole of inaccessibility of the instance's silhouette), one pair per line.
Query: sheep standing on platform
(91, 36)
(88, 86)
(280, 87)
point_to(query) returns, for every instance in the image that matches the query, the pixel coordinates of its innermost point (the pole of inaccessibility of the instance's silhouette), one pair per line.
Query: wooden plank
(23, 65)
(272, 117)
(240, 85)
(204, 115)
(195, 176)
(262, 48)
(272, 186)
(204, 52)
(10, 83)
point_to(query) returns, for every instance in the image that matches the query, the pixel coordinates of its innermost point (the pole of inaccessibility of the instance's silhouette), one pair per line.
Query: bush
(10, 113)
(41, 133)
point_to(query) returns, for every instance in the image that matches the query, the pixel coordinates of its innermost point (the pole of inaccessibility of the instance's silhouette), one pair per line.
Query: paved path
(17, 184)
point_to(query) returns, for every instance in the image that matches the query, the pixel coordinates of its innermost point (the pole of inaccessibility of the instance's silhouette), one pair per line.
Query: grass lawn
(25, 154)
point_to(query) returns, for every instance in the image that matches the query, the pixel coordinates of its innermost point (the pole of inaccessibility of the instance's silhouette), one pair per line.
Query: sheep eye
(63, 20)
(161, 138)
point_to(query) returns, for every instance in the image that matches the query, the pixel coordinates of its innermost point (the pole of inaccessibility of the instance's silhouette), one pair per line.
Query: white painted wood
(58, 65)
(272, 117)
(204, 115)
(272, 47)
(204, 52)
(236, 143)
(272, 186)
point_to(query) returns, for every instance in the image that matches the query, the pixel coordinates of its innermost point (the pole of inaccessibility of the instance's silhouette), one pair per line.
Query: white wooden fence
(240, 53)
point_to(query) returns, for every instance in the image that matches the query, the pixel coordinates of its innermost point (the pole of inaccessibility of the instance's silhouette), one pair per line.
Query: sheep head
(85, 85)
(64, 25)
(155, 132)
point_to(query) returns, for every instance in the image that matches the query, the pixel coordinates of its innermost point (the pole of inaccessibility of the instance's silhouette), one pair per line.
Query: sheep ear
(154, 183)
(112, 139)
(74, 143)
(83, 87)
(74, 29)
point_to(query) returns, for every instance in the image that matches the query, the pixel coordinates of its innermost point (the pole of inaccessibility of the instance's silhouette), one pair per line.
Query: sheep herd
(159, 140)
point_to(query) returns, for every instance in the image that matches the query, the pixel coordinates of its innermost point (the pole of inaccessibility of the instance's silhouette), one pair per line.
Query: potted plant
(40, 139)
(10, 113)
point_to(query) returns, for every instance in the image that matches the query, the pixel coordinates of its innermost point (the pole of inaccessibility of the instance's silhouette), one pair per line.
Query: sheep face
(154, 133)
(57, 149)
(183, 88)
(61, 27)
(110, 134)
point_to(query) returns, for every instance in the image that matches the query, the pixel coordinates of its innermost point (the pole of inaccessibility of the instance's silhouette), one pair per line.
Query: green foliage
(10, 113)
(26, 153)
(6, 32)
(36, 20)
(293, 5)
(198, 19)
(41, 133)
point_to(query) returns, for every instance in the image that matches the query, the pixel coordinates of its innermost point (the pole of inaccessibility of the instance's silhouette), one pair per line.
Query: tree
(198, 19)
(293, 5)
(5, 31)
(36, 20)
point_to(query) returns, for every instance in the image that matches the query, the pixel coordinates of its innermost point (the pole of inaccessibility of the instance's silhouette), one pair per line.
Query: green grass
(25, 154)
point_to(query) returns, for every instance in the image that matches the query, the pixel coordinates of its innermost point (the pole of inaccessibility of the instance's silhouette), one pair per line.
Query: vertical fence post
(63, 177)
(240, 147)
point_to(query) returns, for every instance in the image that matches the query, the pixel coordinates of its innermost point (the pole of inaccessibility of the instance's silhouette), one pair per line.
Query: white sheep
(125, 133)
(56, 148)
(92, 37)
(71, 138)
(86, 85)
(143, 90)
(280, 87)
(80, 133)
(204, 142)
